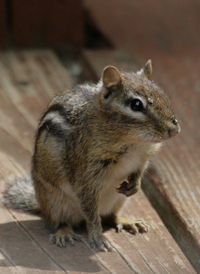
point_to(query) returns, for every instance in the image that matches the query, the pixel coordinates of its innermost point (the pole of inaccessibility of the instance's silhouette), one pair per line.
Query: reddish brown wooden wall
(3, 23)
(42, 23)
(37, 22)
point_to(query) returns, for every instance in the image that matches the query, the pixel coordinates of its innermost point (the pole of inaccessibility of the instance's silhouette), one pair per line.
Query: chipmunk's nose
(175, 129)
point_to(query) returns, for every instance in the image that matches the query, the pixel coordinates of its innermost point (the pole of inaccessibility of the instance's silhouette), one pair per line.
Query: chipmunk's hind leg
(133, 226)
(64, 234)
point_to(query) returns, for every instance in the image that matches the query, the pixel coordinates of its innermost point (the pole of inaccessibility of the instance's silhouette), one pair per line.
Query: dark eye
(137, 105)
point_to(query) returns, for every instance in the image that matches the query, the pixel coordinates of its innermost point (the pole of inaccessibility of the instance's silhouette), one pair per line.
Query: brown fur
(89, 142)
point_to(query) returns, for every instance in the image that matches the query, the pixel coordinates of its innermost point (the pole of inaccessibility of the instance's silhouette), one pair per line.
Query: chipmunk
(92, 147)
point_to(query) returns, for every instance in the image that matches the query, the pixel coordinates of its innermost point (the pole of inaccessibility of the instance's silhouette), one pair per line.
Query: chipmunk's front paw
(133, 226)
(98, 240)
(131, 186)
(64, 235)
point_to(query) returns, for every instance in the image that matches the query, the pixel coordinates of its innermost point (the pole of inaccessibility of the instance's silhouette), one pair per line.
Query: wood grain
(155, 252)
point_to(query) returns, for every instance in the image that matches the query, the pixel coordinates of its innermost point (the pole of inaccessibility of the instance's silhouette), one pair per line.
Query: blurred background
(135, 31)
(138, 27)
(49, 45)
(135, 26)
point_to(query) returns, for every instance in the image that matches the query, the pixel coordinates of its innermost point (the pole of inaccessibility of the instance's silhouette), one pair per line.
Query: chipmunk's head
(132, 101)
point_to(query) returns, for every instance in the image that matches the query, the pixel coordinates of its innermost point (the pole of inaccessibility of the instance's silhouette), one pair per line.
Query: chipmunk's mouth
(173, 131)
(170, 132)
(159, 137)
(155, 134)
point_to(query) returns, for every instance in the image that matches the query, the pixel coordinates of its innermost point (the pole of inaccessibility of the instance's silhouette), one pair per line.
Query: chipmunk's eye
(137, 105)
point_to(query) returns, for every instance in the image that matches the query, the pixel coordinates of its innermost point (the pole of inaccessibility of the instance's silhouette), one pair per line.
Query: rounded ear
(147, 71)
(111, 77)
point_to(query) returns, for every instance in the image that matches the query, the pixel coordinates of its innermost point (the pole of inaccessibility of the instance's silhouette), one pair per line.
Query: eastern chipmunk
(92, 147)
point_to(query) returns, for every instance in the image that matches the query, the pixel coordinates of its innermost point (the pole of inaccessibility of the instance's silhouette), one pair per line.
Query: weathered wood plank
(40, 23)
(6, 266)
(73, 259)
(154, 252)
(25, 256)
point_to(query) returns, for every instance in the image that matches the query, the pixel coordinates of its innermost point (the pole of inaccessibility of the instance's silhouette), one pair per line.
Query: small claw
(77, 237)
(58, 241)
(143, 229)
(147, 228)
(119, 228)
(133, 226)
(113, 249)
(110, 248)
(134, 229)
(71, 242)
(103, 249)
(107, 246)
(62, 241)
(52, 239)
(100, 242)
(143, 226)
(92, 245)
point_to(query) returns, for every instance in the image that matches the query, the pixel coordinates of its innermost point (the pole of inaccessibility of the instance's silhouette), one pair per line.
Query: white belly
(131, 162)
(109, 200)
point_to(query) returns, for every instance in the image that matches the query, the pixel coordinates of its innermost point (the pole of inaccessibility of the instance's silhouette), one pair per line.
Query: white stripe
(56, 118)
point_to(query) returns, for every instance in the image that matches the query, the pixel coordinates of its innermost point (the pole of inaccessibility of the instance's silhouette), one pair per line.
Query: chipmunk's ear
(111, 77)
(147, 70)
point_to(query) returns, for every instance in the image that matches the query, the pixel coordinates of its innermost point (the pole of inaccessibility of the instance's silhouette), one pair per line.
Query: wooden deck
(28, 80)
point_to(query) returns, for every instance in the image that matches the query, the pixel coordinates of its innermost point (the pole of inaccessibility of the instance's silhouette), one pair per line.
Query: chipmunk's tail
(20, 194)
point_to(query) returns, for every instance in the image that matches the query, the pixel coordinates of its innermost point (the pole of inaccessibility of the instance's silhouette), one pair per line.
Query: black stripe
(49, 126)
(54, 129)
(56, 108)
(107, 162)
